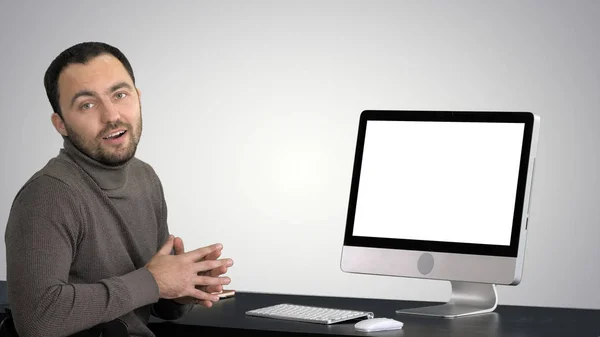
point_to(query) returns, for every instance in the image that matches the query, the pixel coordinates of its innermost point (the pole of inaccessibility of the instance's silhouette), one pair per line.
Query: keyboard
(304, 313)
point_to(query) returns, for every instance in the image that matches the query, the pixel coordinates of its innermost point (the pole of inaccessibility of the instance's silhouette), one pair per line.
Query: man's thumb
(167, 247)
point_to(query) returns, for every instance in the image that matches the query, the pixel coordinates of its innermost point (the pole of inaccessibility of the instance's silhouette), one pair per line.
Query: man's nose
(111, 113)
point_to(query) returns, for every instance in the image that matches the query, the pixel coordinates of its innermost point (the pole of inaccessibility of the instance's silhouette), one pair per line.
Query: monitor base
(467, 299)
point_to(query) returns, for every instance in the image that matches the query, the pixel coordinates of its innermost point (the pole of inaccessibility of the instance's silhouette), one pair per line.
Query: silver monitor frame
(473, 270)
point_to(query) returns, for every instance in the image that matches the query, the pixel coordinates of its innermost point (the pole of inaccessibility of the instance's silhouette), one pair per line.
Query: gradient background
(251, 112)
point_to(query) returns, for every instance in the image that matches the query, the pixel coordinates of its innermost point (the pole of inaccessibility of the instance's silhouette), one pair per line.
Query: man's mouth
(115, 135)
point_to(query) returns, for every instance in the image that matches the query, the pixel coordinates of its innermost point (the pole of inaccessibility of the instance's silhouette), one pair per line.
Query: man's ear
(138, 92)
(59, 124)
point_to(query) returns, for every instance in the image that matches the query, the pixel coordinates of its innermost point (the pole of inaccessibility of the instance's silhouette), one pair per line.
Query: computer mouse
(378, 324)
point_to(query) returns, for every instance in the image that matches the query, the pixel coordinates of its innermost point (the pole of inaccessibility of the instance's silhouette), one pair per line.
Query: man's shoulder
(43, 190)
(45, 201)
(64, 170)
(57, 174)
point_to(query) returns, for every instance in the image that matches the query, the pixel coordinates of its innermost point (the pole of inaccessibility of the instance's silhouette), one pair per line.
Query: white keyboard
(304, 313)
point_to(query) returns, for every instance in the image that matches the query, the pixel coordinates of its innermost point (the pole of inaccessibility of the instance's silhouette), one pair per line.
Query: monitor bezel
(512, 250)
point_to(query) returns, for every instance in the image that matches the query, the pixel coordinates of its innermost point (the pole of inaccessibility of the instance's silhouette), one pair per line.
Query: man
(87, 239)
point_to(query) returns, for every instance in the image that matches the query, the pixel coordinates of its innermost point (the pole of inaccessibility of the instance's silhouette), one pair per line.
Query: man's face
(101, 109)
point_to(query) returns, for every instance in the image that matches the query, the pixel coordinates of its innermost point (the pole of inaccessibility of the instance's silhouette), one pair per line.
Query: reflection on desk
(228, 317)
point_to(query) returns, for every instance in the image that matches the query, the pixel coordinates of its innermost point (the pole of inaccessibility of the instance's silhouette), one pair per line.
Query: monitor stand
(467, 298)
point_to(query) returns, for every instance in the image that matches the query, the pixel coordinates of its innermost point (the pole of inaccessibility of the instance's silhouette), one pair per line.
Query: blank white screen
(439, 181)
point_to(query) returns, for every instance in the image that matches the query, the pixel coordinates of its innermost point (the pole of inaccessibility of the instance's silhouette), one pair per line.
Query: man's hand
(216, 272)
(184, 274)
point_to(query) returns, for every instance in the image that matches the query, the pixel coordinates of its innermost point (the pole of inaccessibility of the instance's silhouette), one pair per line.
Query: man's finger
(214, 288)
(208, 281)
(167, 247)
(178, 246)
(201, 253)
(214, 255)
(208, 265)
(218, 271)
(203, 296)
(207, 304)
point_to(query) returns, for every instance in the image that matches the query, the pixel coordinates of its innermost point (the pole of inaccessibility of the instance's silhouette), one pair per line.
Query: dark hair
(79, 53)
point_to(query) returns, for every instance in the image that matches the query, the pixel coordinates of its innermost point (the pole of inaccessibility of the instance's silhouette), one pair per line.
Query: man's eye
(121, 95)
(87, 106)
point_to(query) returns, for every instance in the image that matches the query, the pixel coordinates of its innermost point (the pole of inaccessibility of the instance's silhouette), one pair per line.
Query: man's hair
(79, 53)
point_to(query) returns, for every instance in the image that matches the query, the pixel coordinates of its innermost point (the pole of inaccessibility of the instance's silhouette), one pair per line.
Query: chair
(7, 326)
(114, 328)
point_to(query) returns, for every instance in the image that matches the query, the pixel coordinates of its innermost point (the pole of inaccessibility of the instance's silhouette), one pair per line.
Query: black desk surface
(227, 317)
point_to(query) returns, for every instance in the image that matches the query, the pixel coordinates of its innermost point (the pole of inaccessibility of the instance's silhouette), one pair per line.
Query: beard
(107, 155)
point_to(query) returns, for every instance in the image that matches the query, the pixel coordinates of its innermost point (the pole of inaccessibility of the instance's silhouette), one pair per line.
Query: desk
(227, 317)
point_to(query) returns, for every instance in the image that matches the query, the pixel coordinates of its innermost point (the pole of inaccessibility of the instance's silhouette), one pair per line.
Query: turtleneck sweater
(78, 237)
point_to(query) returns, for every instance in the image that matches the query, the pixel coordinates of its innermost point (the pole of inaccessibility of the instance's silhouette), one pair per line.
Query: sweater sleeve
(165, 308)
(42, 234)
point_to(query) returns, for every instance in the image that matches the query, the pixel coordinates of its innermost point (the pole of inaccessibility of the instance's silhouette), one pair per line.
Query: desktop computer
(439, 195)
(442, 195)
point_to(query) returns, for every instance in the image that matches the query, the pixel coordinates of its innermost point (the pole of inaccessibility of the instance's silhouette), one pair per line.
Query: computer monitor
(442, 195)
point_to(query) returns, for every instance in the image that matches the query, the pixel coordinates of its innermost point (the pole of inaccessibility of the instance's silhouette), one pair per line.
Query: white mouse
(378, 324)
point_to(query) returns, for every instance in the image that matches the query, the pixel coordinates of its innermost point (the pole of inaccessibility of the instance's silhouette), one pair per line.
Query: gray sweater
(78, 237)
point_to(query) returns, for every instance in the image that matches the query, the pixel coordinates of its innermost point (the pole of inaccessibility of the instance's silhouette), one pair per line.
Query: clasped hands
(192, 277)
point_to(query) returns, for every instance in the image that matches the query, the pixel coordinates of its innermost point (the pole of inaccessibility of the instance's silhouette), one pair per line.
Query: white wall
(251, 111)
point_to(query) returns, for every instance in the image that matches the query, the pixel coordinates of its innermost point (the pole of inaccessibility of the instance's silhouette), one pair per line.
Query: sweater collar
(107, 177)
